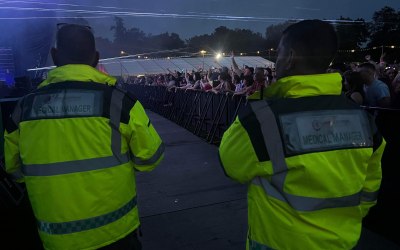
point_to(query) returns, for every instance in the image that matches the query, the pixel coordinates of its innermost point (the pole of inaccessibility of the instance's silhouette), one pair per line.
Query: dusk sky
(28, 27)
(192, 17)
(270, 11)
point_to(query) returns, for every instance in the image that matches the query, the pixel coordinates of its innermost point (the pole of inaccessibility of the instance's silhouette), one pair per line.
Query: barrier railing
(205, 114)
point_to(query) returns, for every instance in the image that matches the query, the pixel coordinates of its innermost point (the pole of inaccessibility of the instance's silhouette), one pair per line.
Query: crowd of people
(369, 83)
(238, 81)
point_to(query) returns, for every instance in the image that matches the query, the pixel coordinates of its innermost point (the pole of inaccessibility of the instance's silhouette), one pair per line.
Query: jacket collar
(306, 85)
(77, 72)
(303, 85)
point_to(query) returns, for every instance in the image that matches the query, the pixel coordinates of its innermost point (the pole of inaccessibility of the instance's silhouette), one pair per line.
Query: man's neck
(369, 83)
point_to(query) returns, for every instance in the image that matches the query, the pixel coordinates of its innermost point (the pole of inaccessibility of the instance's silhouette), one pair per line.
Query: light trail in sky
(51, 17)
(64, 4)
(303, 8)
(161, 15)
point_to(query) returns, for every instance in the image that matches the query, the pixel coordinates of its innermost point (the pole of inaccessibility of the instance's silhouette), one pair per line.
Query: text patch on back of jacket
(67, 103)
(314, 131)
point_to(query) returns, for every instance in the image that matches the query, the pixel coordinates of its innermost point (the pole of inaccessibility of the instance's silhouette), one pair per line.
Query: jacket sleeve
(146, 145)
(12, 157)
(11, 154)
(373, 180)
(237, 155)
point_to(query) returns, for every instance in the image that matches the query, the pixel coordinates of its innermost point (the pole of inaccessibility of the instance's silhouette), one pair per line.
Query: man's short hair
(367, 65)
(313, 40)
(76, 44)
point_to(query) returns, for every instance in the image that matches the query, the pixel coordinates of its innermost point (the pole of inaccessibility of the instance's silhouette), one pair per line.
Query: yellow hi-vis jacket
(311, 162)
(77, 141)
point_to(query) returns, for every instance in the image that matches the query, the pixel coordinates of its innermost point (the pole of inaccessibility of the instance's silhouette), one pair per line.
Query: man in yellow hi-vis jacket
(76, 142)
(310, 157)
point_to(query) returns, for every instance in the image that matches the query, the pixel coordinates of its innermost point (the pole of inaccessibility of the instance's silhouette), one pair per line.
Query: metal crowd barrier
(205, 114)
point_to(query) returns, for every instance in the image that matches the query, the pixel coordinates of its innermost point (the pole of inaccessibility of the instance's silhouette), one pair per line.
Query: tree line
(353, 34)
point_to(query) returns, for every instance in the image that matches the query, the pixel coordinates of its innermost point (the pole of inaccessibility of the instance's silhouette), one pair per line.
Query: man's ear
(53, 52)
(96, 60)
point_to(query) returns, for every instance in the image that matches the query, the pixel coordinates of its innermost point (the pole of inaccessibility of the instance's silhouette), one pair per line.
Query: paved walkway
(188, 203)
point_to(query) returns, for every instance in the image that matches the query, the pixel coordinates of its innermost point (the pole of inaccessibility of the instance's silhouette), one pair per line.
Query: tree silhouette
(225, 39)
(135, 41)
(273, 34)
(352, 35)
(384, 30)
(119, 31)
(384, 27)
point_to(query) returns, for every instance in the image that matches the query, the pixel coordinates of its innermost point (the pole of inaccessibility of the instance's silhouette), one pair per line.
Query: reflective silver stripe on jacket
(70, 167)
(275, 188)
(156, 156)
(369, 196)
(17, 175)
(302, 203)
(272, 140)
(115, 118)
(86, 224)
